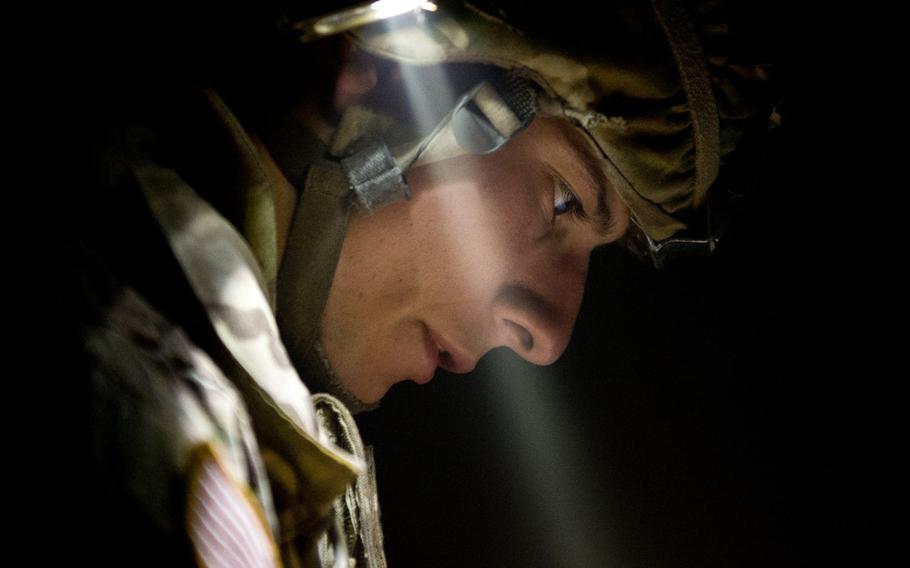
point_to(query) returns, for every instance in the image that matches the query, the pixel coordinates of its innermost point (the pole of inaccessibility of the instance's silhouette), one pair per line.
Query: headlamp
(364, 14)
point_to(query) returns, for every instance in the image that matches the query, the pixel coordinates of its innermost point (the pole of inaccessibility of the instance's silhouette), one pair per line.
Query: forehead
(551, 130)
(557, 141)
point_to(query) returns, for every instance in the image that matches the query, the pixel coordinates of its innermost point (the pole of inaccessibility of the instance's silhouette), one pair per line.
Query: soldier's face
(492, 250)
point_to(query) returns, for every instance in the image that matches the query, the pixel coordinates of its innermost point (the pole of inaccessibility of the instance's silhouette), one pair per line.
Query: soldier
(264, 244)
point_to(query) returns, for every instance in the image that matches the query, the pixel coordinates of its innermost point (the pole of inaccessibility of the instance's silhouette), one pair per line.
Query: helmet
(666, 90)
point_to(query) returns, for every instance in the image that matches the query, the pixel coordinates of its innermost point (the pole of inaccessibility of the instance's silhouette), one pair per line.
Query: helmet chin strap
(482, 121)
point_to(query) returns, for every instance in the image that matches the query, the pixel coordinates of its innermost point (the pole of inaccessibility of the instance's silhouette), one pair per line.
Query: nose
(533, 325)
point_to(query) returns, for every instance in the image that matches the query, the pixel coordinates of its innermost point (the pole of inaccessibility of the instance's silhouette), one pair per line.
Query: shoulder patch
(225, 524)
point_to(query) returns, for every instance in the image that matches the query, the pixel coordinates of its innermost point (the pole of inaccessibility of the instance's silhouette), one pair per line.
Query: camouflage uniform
(206, 444)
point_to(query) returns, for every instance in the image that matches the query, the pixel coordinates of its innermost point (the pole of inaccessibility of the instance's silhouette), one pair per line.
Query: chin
(356, 402)
(333, 385)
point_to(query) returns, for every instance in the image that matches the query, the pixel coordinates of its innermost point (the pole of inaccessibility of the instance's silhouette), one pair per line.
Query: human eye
(565, 201)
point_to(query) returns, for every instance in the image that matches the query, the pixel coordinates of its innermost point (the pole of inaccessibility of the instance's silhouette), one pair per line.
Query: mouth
(443, 354)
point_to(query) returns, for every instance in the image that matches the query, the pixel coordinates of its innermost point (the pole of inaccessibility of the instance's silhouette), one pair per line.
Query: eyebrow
(602, 219)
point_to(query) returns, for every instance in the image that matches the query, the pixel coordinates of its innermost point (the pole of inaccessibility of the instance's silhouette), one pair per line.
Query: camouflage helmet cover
(664, 91)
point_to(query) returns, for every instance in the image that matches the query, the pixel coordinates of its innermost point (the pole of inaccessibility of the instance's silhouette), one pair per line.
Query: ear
(356, 79)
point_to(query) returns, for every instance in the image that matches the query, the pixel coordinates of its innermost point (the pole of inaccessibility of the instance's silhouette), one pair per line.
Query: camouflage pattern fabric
(224, 277)
(174, 423)
(158, 400)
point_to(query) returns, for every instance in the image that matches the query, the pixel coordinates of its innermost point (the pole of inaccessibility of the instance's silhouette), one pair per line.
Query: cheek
(457, 216)
(452, 226)
(470, 229)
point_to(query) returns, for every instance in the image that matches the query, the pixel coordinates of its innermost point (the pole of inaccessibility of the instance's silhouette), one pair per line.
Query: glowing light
(360, 16)
(390, 8)
(543, 435)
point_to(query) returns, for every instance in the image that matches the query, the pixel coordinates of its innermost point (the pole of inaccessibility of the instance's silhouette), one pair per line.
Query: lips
(450, 357)
(440, 352)
(433, 355)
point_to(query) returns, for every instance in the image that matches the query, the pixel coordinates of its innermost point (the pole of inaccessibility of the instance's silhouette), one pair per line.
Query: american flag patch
(224, 522)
